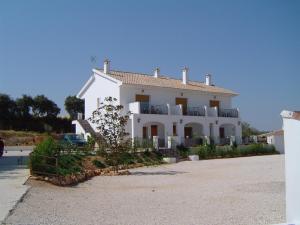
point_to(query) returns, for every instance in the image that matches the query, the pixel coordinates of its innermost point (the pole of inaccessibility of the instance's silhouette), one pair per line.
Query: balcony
(167, 109)
(196, 111)
(146, 108)
(233, 113)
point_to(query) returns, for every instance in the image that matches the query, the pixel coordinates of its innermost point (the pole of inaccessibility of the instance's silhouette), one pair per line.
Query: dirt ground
(239, 191)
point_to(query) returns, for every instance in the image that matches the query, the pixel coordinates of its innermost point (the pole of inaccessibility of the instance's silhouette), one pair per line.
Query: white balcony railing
(234, 113)
(167, 109)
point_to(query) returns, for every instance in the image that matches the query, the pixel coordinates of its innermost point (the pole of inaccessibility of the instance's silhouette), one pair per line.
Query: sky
(251, 47)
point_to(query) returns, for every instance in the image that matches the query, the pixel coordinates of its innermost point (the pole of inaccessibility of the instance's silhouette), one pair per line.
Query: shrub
(126, 158)
(257, 149)
(50, 157)
(183, 151)
(193, 151)
(42, 158)
(98, 163)
(211, 151)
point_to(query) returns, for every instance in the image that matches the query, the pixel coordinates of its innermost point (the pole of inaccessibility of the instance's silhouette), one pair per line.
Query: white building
(276, 138)
(291, 127)
(164, 107)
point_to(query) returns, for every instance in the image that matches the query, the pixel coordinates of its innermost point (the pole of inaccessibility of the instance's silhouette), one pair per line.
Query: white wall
(138, 121)
(100, 88)
(79, 130)
(159, 96)
(291, 129)
(277, 141)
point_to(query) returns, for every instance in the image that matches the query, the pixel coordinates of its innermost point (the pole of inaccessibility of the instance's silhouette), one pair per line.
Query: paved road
(13, 174)
(240, 191)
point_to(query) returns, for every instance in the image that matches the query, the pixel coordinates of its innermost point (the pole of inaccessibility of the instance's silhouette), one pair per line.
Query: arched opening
(156, 129)
(193, 134)
(226, 131)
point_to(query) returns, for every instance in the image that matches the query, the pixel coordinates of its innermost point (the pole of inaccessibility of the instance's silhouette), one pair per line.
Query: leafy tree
(24, 105)
(110, 122)
(74, 105)
(7, 107)
(247, 130)
(43, 107)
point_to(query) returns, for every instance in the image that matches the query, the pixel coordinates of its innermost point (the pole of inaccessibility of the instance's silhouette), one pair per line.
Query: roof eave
(107, 76)
(86, 86)
(233, 94)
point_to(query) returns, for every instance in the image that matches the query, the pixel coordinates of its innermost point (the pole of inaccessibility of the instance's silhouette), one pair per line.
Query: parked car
(74, 139)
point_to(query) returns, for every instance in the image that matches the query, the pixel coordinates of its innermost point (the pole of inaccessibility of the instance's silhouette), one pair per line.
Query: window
(98, 103)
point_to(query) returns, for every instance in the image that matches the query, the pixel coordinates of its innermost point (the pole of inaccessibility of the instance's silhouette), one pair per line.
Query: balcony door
(144, 101)
(183, 102)
(214, 103)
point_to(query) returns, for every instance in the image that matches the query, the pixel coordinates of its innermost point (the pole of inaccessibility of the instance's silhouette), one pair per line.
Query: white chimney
(185, 75)
(208, 79)
(106, 66)
(156, 72)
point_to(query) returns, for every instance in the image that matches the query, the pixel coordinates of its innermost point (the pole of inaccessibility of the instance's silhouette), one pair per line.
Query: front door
(222, 132)
(154, 130)
(188, 132)
(183, 102)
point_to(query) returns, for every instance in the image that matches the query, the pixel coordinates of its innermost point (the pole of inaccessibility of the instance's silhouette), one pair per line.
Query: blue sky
(252, 47)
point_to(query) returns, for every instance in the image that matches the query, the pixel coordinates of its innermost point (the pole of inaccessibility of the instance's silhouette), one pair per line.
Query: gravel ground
(212, 192)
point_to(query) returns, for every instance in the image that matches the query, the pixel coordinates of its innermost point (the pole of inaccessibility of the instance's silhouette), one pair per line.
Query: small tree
(24, 105)
(44, 107)
(110, 122)
(74, 105)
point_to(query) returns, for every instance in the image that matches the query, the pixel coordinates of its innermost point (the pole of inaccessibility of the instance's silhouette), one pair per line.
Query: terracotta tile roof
(290, 114)
(275, 133)
(296, 115)
(164, 81)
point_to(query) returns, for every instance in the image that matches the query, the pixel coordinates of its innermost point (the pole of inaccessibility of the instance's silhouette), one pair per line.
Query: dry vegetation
(24, 138)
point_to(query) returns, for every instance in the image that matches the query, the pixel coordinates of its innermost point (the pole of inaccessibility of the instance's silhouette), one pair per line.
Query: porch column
(238, 132)
(206, 133)
(180, 132)
(216, 128)
(136, 127)
(168, 131)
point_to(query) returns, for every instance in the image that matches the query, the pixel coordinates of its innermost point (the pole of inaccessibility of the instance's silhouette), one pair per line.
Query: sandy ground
(212, 192)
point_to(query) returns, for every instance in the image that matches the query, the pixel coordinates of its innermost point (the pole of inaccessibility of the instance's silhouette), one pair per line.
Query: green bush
(183, 151)
(98, 163)
(127, 158)
(43, 157)
(50, 158)
(211, 151)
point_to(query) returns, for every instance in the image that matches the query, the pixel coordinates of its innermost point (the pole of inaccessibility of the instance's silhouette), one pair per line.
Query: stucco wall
(277, 141)
(292, 170)
(100, 88)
